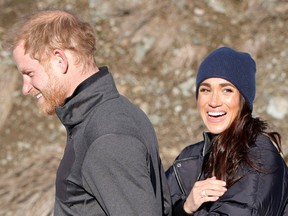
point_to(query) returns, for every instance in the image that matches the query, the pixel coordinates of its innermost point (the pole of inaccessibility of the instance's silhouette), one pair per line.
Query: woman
(237, 169)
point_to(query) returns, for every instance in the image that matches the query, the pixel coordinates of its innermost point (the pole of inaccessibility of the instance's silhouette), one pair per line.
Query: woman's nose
(215, 100)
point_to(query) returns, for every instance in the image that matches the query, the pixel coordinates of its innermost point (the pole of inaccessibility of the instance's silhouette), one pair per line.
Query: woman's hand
(203, 191)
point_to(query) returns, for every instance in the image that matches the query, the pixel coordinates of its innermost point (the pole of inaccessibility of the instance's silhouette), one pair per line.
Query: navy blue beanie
(236, 67)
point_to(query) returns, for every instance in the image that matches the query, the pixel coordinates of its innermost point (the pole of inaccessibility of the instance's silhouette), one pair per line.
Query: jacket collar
(208, 137)
(90, 93)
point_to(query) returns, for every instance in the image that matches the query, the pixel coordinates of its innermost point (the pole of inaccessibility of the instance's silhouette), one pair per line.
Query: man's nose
(26, 88)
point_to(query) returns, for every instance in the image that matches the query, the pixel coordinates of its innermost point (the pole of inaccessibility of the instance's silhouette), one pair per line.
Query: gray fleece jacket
(111, 164)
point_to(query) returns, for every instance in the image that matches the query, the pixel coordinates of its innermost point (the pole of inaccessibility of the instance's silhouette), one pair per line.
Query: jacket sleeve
(116, 173)
(286, 210)
(261, 192)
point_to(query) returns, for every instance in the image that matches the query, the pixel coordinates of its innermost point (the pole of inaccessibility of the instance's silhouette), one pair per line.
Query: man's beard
(54, 94)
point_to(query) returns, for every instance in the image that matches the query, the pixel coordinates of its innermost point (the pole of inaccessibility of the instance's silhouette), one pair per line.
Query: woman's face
(218, 103)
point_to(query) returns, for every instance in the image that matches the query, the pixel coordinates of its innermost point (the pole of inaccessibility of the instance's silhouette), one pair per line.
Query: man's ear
(60, 60)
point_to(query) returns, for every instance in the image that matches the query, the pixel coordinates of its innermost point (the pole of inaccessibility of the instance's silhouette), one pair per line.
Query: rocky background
(153, 49)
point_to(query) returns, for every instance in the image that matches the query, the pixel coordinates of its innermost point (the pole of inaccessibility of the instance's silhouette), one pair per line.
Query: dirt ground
(153, 49)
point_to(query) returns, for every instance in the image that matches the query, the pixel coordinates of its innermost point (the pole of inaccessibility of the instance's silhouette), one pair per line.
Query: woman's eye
(228, 90)
(204, 90)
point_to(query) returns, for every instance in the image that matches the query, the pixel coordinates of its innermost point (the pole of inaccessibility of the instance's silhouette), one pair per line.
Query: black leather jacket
(255, 194)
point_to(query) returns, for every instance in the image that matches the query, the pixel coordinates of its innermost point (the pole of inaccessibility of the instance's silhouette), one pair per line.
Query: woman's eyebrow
(205, 84)
(227, 84)
(224, 84)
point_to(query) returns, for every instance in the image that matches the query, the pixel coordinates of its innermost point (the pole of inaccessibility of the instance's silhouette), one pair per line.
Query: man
(111, 163)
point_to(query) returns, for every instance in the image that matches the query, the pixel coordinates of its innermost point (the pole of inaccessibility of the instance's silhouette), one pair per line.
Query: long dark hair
(230, 149)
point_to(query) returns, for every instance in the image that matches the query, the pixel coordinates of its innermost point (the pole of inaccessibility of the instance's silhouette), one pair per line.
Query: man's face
(40, 81)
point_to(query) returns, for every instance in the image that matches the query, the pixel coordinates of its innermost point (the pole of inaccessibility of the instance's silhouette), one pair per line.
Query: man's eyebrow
(25, 70)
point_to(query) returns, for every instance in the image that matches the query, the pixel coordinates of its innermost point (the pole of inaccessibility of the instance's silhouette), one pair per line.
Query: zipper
(177, 175)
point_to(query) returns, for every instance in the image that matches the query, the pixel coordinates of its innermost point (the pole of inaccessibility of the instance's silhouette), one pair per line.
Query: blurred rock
(278, 107)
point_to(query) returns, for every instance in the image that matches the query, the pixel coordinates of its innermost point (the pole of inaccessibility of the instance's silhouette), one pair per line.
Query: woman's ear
(60, 60)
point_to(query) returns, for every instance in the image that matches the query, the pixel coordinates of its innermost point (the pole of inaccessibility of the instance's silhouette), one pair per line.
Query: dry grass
(30, 191)
(7, 83)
